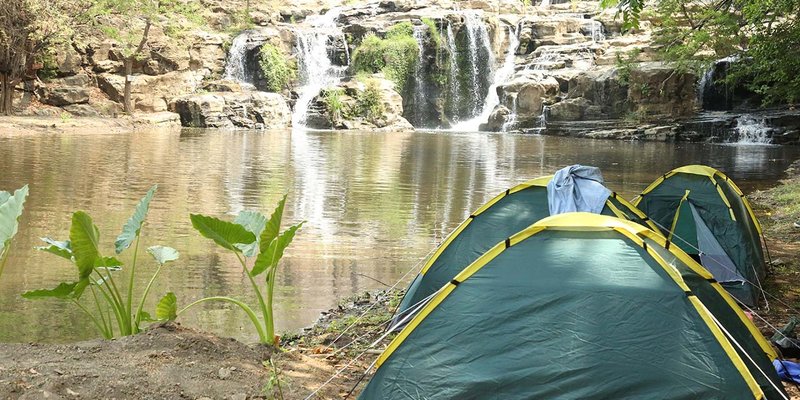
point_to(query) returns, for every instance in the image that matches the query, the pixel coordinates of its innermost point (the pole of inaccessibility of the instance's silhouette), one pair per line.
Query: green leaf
(133, 227)
(61, 249)
(84, 238)
(274, 252)
(163, 254)
(62, 291)
(10, 210)
(145, 316)
(273, 226)
(167, 307)
(109, 263)
(224, 233)
(254, 222)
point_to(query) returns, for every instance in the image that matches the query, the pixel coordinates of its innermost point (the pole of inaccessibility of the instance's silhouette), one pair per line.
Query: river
(375, 204)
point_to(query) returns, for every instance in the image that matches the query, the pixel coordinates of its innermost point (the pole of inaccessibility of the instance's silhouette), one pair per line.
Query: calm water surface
(375, 205)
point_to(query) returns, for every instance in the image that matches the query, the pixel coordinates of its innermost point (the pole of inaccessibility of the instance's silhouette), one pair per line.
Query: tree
(762, 35)
(130, 22)
(28, 31)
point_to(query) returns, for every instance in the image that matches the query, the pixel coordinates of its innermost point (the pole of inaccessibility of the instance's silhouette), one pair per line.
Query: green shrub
(369, 102)
(396, 55)
(275, 68)
(333, 102)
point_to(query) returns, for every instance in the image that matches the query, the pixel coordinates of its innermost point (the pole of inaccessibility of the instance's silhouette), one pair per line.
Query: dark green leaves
(133, 227)
(10, 211)
(223, 233)
(167, 308)
(163, 254)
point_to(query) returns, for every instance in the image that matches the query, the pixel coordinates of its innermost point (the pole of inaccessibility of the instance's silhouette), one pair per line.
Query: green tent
(708, 217)
(507, 213)
(579, 306)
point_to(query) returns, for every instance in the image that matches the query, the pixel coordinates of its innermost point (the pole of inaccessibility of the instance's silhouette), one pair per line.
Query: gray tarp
(577, 188)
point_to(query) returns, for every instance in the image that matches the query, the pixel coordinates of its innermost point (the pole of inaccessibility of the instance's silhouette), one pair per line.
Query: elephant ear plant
(10, 210)
(113, 312)
(250, 235)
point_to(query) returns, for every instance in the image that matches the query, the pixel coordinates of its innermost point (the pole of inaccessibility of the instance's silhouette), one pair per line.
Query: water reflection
(375, 204)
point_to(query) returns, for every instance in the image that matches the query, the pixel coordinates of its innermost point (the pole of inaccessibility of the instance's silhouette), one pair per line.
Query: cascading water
(511, 121)
(597, 31)
(316, 69)
(500, 76)
(235, 64)
(752, 130)
(453, 90)
(420, 101)
(477, 35)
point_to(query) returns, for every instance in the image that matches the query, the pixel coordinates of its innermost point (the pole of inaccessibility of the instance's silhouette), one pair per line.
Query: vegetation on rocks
(369, 102)
(275, 67)
(762, 36)
(396, 55)
(336, 107)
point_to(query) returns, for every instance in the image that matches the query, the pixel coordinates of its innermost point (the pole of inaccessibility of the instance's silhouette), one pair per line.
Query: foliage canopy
(762, 35)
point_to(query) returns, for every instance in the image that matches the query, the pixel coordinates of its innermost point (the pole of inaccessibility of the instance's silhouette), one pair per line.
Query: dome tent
(709, 218)
(579, 306)
(502, 216)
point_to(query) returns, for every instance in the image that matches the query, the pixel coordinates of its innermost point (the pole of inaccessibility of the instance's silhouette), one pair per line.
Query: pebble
(239, 396)
(224, 373)
(72, 393)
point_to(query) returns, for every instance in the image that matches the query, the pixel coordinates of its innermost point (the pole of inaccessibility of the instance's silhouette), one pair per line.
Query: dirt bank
(21, 125)
(174, 362)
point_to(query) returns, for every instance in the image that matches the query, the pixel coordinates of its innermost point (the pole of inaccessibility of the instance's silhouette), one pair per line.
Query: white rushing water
(235, 64)
(752, 130)
(453, 90)
(501, 75)
(477, 35)
(316, 69)
(419, 78)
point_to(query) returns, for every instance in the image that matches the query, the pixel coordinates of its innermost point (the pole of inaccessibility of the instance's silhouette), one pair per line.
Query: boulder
(82, 110)
(657, 89)
(319, 116)
(605, 88)
(498, 118)
(151, 93)
(569, 110)
(248, 110)
(64, 95)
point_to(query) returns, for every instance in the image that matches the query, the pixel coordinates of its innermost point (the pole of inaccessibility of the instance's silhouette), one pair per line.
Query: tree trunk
(127, 97)
(5, 103)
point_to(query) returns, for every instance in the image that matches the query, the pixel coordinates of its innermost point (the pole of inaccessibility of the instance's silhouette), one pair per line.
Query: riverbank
(19, 125)
(173, 361)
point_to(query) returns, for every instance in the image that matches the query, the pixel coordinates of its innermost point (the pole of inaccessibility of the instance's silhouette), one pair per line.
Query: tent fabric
(712, 255)
(577, 188)
(502, 216)
(724, 210)
(576, 306)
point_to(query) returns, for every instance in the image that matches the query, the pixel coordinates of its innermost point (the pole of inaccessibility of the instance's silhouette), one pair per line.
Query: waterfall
(316, 69)
(419, 78)
(545, 3)
(235, 64)
(597, 31)
(752, 130)
(452, 81)
(477, 32)
(500, 76)
(511, 121)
